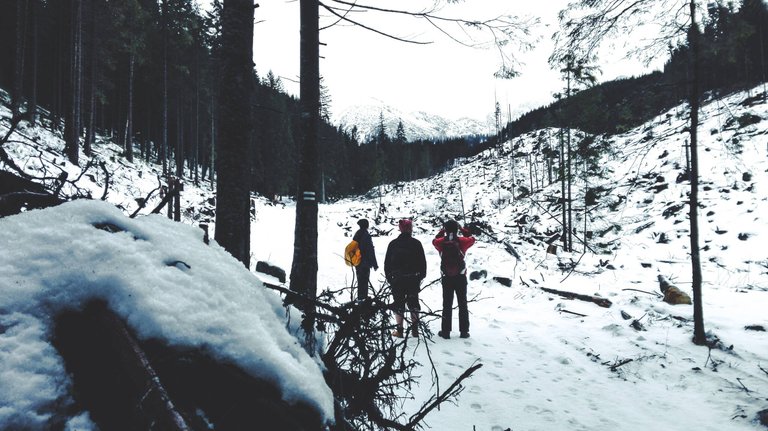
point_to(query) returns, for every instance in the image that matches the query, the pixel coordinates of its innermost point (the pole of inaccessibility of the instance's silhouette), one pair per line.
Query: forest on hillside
(146, 75)
(734, 42)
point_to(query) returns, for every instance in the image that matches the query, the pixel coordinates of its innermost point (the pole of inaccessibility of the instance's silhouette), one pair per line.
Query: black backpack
(451, 258)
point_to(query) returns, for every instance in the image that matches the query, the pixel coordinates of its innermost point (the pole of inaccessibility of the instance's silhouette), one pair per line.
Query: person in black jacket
(367, 258)
(404, 267)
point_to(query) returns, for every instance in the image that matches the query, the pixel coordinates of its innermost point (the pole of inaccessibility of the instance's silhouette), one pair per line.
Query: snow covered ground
(544, 367)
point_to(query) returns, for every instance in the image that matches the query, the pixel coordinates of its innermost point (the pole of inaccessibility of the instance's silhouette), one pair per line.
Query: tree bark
(233, 191)
(179, 157)
(304, 266)
(90, 132)
(32, 103)
(699, 335)
(72, 127)
(163, 153)
(18, 68)
(129, 114)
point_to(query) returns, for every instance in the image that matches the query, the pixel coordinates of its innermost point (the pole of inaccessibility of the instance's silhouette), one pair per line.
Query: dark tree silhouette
(232, 190)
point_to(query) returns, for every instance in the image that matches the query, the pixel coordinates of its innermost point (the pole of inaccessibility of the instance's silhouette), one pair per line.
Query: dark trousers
(455, 285)
(363, 274)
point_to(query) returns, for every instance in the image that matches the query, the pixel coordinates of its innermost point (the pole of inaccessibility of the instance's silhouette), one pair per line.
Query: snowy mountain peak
(417, 124)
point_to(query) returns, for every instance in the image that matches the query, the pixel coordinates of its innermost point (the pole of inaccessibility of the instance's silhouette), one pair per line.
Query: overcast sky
(443, 77)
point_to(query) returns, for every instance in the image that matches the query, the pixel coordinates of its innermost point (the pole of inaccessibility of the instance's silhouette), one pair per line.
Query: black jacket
(405, 258)
(367, 252)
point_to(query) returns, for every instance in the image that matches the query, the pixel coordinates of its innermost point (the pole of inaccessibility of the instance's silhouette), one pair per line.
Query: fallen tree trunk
(602, 302)
(119, 385)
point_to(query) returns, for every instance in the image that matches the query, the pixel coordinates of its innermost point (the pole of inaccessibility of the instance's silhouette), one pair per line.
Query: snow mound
(157, 275)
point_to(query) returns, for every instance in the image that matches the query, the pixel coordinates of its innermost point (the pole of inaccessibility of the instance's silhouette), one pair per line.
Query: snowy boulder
(57, 260)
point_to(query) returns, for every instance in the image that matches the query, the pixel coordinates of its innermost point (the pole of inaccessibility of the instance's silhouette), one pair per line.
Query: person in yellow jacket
(367, 258)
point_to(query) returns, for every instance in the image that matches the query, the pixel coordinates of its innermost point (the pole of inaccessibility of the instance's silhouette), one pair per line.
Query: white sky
(443, 78)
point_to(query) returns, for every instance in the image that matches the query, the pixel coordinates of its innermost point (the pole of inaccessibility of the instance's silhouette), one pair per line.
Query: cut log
(602, 302)
(119, 357)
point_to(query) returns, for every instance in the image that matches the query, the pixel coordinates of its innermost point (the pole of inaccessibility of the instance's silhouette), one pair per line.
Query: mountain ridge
(417, 124)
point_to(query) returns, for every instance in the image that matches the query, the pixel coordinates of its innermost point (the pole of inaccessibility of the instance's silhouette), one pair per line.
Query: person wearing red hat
(404, 267)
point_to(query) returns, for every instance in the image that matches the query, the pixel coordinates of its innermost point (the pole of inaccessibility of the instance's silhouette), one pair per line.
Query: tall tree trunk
(18, 67)
(569, 154)
(179, 157)
(304, 267)
(129, 114)
(32, 103)
(233, 194)
(90, 131)
(569, 200)
(163, 153)
(213, 142)
(72, 127)
(196, 141)
(562, 190)
(61, 56)
(699, 336)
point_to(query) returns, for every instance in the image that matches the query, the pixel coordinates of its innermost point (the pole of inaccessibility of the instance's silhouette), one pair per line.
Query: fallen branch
(435, 401)
(563, 310)
(643, 291)
(143, 202)
(602, 302)
(621, 363)
(738, 379)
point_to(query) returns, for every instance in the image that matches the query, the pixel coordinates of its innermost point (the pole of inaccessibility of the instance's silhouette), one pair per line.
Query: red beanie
(405, 225)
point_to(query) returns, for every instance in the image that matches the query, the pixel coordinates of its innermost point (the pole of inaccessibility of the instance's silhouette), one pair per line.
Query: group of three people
(405, 266)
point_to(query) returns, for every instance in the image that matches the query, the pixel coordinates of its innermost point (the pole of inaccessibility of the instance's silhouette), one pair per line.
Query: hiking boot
(397, 333)
(445, 335)
(464, 335)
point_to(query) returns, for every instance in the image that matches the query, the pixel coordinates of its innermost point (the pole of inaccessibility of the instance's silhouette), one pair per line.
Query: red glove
(440, 234)
(466, 232)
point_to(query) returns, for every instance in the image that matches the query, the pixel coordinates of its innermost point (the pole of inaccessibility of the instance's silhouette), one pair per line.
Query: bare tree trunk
(232, 190)
(60, 58)
(90, 132)
(569, 200)
(72, 127)
(196, 150)
(163, 153)
(304, 267)
(179, 157)
(129, 121)
(699, 335)
(18, 67)
(562, 190)
(32, 103)
(213, 142)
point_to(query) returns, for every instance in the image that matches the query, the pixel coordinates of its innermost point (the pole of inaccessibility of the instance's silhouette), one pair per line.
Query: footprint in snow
(476, 406)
